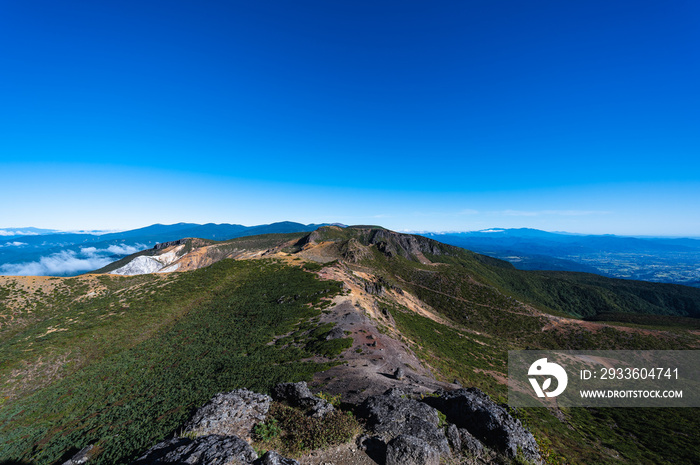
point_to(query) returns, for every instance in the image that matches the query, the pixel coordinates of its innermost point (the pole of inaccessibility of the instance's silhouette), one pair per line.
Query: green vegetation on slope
(580, 294)
(211, 334)
(486, 322)
(581, 435)
(572, 294)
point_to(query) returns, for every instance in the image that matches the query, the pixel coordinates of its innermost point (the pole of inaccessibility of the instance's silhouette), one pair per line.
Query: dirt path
(369, 365)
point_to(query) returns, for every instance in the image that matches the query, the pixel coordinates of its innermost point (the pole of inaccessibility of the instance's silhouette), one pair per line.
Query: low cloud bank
(12, 232)
(13, 244)
(70, 262)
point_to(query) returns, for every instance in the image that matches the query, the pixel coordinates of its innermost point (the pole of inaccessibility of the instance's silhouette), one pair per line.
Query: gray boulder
(273, 458)
(204, 450)
(452, 434)
(409, 450)
(470, 444)
(474, 411)
(399, 373)
(390, 415)
(299, 395)
(229, 414)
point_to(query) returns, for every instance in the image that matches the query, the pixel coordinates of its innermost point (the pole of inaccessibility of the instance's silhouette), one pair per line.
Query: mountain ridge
(595, 294)
(352, 311)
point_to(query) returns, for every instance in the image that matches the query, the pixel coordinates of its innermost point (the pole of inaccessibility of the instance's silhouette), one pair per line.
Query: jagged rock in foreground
(204, 450)
(409, 450)
(469, 444)
(401, 430)
(392, 414)
(299, 395)
(472, 410)
(230, 414)
(462, 440)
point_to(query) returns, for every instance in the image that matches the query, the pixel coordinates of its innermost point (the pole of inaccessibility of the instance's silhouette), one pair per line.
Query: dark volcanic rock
(474, 411)
(469, 443)
(392, 243)
(165, 245)
(353, 251)
(299, 395)
(453, 438)
(374, 288)
(409, 450)
(273, 458)
(390, 415)
(204, 450)
(230, 414)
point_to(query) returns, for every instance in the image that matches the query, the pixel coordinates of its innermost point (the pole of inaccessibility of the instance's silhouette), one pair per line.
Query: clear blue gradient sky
(454, 115)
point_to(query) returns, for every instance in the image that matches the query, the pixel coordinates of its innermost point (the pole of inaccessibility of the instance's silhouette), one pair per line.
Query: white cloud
(125, 249)
(61, 263)
(112, 250)
(69, 262)
(5, 232)
(13, 244)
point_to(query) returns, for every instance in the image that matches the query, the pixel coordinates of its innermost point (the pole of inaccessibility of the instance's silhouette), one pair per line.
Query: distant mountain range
(32, 251)
(667, 260)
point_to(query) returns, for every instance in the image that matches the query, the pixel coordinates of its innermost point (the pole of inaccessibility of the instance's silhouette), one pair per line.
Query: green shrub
(268, 430)
(330, 398)
(301, 433)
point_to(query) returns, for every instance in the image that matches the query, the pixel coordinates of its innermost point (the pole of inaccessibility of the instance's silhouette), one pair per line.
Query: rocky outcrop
(400, 430)
(219, 433)
(409, 450)
(353, 251)
(165, 245)
(379, 287)
(204, 450)
(408, 246)
(480, 417)
(392, 414)
(469, 444)
(229, 414)
(299, 395)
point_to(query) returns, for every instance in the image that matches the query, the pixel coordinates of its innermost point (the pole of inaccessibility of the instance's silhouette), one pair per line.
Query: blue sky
(459, 115)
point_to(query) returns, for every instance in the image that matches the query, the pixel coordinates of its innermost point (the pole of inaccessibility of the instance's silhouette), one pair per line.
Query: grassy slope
(576, 294)
(138, 375)
(631, 436)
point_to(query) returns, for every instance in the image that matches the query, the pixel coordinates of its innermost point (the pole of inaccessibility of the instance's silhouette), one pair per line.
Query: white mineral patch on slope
(144, 264)
(170, 268)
